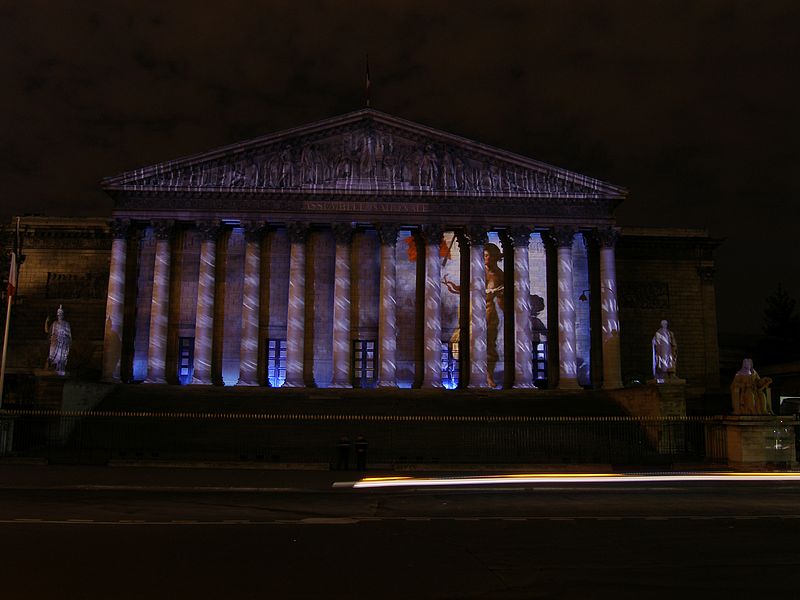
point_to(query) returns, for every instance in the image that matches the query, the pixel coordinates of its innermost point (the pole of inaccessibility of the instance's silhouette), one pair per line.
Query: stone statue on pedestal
(665, 354)
(750, 394)
(60, 336)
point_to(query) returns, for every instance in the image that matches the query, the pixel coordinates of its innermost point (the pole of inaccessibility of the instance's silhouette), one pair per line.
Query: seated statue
(750, 394)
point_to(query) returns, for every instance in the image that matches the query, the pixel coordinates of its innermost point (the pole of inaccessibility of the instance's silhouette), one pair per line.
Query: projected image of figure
(492, 255)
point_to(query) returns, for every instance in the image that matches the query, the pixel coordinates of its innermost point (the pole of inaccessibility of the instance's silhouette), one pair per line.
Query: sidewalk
(194, 478)
(232, 477)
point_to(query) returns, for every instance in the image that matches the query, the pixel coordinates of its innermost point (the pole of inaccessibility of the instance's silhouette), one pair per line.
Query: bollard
(344, 454)
(361, 453)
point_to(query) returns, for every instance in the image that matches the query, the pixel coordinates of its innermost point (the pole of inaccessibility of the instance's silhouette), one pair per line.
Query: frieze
(644, 294)
(542, 210)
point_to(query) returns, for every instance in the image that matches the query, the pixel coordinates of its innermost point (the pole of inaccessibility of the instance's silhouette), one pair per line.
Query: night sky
(693, 106)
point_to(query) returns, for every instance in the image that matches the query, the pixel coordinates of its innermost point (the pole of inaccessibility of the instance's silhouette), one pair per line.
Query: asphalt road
(567, 541)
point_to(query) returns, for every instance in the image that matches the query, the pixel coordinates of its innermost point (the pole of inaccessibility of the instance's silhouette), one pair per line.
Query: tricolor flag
(12, 275)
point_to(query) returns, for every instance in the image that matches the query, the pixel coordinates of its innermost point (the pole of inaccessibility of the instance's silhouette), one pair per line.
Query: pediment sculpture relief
(364, 159)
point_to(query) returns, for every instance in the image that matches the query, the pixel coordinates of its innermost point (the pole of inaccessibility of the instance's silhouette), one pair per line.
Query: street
(104, 540)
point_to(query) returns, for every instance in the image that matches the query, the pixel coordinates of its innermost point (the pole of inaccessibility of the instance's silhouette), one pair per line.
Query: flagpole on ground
(12, 286)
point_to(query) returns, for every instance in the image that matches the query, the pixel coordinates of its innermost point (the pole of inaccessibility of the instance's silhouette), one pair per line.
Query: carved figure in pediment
(460, 174)
(286, 178)
(448, 171)
(390, 167)
(344, 167)
(494, 176)
(307, 165)
(367, 160)
(428, 168)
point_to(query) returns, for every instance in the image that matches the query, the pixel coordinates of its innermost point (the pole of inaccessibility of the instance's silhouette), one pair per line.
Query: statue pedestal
(756, 442)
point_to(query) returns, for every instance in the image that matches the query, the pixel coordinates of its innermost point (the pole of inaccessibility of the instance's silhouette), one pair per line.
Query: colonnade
(472, 239)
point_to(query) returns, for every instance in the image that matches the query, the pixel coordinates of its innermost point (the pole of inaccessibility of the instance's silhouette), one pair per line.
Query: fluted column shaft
(342, 368)
(523, 346)
(387, 313)
(568, 371)
(115, 303)
(476, 237)
(248, 349)
(159, 311)
(432, 327)
(609, 312)
(295, 322)
(204, 319)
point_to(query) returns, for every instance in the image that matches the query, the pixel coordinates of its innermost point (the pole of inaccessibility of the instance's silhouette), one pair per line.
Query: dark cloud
(691, 105)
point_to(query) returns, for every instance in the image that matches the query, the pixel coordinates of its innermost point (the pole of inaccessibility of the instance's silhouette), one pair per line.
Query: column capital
(163, 228)
(561, 236)
(476, 235)
(119, 228)
(605, 237)
(387, 232)
(209, 230)
(298, 231)
(431, 234)
(519, 235)
(253, 230)
(342, 232)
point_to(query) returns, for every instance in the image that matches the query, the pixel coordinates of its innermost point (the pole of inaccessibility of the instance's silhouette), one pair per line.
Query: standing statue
(665, 354)
(750, 394)
(60, 339)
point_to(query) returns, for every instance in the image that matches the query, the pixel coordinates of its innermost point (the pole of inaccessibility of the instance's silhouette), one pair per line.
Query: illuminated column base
(115, 304)
(341, 307)
(609, 313)
(159, 312)
(248, 351)
(432, 332)
(204, 319)
(295, 323)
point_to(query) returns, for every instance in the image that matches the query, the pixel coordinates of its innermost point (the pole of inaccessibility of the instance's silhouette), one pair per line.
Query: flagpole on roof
(367, 90)
(12, 288)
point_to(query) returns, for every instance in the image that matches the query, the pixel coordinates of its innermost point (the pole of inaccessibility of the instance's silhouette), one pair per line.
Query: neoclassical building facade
(362, 250)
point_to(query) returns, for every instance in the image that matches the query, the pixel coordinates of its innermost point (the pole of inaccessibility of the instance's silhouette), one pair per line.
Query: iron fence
(98, 437)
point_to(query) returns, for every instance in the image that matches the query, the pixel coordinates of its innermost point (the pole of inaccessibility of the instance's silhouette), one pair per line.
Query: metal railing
(97, 437)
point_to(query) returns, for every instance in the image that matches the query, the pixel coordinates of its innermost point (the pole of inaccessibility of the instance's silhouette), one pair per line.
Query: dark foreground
(141, 533)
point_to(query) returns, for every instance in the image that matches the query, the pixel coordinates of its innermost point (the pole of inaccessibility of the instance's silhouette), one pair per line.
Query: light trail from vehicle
(580, 478)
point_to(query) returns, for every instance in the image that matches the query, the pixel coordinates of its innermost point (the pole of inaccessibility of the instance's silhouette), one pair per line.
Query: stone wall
(668, 274)
(66, 263)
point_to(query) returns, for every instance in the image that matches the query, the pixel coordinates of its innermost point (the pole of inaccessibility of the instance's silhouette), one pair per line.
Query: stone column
(567, 368)
(387, 319)
(295, 322)
(607, 239)
(520, 237)
(204, 319)
(476, 238)
(115, 304)
(342, 367)
(248, 350)
(159, 311)
(432, 326)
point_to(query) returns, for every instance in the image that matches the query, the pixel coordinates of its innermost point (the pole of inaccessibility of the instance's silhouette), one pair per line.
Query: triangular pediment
(363, 152)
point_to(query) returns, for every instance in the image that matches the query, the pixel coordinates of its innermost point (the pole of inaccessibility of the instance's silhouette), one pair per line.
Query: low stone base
(756, 442)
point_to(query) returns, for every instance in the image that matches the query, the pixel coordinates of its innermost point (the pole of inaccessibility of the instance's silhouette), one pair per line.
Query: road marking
(356, 520)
